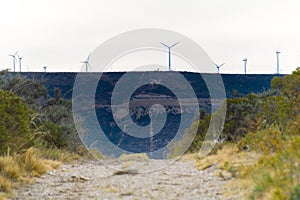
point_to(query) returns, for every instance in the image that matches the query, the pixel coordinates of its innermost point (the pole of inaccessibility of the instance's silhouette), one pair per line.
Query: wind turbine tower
(87, 64)
(219, 66)
(45, 68)
(277, 56)
(14, 60)
(20, 63)
(245, 65)
(169, 48)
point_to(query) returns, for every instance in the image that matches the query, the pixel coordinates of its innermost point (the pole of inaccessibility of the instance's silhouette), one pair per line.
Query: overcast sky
(61, 33)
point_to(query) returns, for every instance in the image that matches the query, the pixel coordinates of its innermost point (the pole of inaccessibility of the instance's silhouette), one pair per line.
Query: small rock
(78, 178)
(225, 175)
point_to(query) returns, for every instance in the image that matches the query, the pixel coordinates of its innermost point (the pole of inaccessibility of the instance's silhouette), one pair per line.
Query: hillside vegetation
(36, 132)
(261, 141)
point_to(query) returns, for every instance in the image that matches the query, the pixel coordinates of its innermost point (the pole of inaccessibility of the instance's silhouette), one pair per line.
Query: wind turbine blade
(174, 44)
(222, 64)
(88, 58)
(216, 64)
(13, 56)
(164, 44)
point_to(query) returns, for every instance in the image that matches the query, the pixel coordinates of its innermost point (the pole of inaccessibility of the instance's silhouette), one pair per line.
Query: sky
(61, 33)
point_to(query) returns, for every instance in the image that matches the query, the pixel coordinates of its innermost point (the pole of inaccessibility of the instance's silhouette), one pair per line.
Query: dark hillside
(235, 84)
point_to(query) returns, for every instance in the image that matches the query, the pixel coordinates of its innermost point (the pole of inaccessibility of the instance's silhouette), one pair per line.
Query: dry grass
(238, 188)
(129, 162)
(5, 184)
(22, 168)
(16, 169)
(59, 155)
(188, 157)
(34, 165)
(3, 196)
(231, 165)
(96, 154)
(134, 157)
(228, 158)
(10, 167)
(270, 174)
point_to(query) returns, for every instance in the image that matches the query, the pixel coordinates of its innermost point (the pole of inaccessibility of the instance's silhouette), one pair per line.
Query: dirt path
(93, 180)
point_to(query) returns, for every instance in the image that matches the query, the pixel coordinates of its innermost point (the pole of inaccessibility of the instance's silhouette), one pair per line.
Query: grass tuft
(15, 169)
(32, 162)
(5, 184)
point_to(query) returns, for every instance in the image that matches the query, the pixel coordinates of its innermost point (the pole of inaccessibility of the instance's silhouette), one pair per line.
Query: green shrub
(267, 140)
(52, 122)
(51, 135)
(14, 122)
(277, 174)
(295, 193)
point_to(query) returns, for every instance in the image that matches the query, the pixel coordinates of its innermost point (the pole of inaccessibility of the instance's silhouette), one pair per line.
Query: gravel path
(94, 180)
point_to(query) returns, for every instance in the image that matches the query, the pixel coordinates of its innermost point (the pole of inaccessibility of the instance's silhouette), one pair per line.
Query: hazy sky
(61, 33)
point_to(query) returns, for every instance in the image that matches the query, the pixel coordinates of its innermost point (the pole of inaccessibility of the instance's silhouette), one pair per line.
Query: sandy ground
(95, 180)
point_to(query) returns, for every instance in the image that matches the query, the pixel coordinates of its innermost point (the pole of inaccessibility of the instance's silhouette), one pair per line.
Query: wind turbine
(277, 56)
(20, 62)
(219, 66)
(87, 64)
(14, 60)
(169, 48)
(245, 65)
(45, 68)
